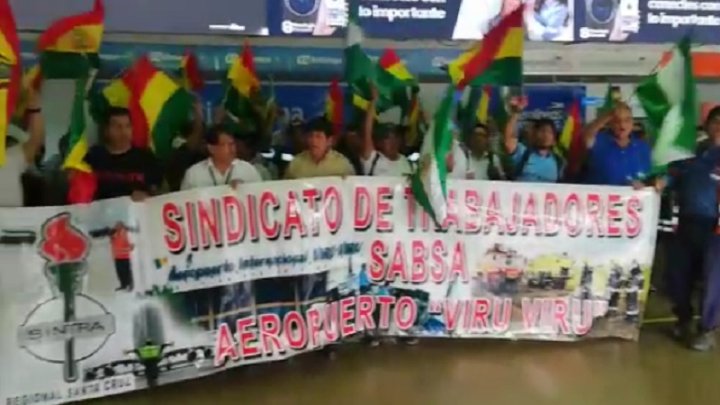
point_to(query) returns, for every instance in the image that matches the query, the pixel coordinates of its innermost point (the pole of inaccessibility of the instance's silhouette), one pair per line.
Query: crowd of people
(222, 154)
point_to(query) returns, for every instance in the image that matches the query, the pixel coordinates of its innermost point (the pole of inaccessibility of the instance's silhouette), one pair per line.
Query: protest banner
(117, 296)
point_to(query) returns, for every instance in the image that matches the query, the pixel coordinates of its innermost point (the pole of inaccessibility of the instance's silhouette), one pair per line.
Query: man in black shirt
(120, 169)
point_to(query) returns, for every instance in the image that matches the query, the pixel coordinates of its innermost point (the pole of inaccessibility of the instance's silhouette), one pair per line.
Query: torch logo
(65, 249)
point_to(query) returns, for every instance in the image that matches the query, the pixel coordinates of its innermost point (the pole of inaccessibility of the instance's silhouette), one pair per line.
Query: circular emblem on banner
(45, 336)
(302, 8)
(602, 11)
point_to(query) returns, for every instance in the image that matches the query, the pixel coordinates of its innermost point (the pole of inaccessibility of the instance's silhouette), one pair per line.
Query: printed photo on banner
(509, 261)
(545, 20)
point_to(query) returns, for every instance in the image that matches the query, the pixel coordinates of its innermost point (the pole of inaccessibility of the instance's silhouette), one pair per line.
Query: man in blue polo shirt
(535, 162)
(616, 157)
(695, 256)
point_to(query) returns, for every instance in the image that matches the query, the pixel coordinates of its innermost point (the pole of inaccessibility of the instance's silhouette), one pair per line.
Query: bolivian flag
(334, 107)
(159, 107)
(397, 83)
(497, 59)
(10, 71)
(571, 142)
(70, 46)
(242, 83)
(190, 72)
(115, 94)
(391, 62)
(77, 141)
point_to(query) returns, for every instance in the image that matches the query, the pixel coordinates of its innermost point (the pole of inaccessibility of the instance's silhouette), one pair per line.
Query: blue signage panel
(552, 102)
(308, 101)
(269, 60)
(246, 17)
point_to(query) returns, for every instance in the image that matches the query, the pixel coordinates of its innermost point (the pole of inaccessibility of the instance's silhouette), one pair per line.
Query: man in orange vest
(121, 250)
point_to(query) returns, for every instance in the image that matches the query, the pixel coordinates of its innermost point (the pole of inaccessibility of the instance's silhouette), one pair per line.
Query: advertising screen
(546, 20)
(245, 17)
(647, 21)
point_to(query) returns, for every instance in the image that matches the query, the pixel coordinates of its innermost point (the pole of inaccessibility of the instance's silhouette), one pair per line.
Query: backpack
(517, 172)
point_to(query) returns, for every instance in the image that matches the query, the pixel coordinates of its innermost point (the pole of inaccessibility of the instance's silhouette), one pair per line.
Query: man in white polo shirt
(22, 149)
(386, 160)
(222, 167)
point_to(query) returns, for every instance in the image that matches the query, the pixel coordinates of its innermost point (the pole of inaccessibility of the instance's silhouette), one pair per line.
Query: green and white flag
(359, 68)
(668, 97)
(429, 182)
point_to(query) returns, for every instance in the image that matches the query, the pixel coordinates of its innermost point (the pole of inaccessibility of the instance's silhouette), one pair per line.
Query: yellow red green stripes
(80, 33)
(242, 81)
(391, 62)
(150, 89)
(158, 106)
(242, 75)
(504, 42)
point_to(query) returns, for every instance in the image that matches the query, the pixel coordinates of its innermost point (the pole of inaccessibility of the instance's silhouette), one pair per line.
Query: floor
(655, 371)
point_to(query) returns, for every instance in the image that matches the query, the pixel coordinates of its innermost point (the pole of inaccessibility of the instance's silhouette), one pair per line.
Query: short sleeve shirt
(333, 164)
(379, 165)
(481, 166)
(539, 168)
(119, 175)
(609, 164)
(204, 174)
